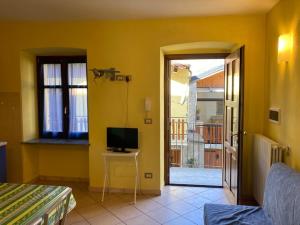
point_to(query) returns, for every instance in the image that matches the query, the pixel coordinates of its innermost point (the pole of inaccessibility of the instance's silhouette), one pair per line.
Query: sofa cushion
(218, 214)
(282, 195)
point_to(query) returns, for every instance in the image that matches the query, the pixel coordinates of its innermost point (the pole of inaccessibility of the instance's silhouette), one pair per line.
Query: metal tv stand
(111, 154)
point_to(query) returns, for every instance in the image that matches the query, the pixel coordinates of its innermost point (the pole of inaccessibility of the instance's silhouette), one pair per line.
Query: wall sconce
(111, 73)
(285, 43)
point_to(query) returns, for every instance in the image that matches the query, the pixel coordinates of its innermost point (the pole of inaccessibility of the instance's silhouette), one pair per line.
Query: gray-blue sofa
(281, 203)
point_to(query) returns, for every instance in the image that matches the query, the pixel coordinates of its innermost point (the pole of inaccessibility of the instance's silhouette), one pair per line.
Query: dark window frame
(63, 60)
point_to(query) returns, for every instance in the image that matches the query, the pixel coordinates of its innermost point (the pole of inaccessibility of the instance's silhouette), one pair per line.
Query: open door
(194, 113)
(233, 123)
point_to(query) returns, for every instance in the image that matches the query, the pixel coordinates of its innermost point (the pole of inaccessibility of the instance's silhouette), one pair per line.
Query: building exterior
(197, 117)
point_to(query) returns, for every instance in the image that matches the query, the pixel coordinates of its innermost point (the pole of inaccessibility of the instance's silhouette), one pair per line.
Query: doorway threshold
(195, 185)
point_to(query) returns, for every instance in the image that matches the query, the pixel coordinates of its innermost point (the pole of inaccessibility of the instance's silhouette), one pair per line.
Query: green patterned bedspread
(25, 203)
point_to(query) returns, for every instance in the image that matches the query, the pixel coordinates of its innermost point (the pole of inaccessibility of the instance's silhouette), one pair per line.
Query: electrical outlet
(148, 175)
(147, 121)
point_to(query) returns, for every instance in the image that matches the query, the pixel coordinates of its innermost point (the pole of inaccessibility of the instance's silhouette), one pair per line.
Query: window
(62, 96)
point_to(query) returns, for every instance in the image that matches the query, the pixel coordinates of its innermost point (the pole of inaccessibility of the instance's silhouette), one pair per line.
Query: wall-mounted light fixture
(285, 44)
(111, 74)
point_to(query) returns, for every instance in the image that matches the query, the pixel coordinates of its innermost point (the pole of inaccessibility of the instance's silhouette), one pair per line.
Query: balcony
(196, 152)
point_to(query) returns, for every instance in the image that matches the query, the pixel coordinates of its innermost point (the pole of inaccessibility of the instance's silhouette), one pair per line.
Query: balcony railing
(195, 144)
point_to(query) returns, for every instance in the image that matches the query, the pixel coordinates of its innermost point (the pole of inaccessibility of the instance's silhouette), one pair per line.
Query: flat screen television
(120, 139)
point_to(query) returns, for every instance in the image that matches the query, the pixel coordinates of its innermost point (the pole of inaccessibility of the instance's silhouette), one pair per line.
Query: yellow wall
(30, 163)
(28, 95)
(134, 47)
(71, 161)
(10, 131)
(29, 114)
(282, 80)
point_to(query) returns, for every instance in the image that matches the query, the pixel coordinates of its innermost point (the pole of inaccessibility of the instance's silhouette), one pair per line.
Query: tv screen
(122, 138)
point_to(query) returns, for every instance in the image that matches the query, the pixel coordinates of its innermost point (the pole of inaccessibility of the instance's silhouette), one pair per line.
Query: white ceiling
(126, 9)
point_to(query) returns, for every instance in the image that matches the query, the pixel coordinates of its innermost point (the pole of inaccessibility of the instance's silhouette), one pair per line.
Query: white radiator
(266, 152)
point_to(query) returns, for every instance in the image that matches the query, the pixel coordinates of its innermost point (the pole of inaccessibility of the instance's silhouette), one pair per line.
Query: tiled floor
(176, 206)
(196, 176)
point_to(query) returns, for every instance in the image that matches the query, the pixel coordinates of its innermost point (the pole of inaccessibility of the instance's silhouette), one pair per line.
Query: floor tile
(141, 220)
(130, 197)
(214, 194)
(182, 193)
(84, 201)
(91, 211)
(165, 199)
(167, 189)
(107, 219)
(197, 190)
(181, 207)
(163, 215)
(170, 188)
(97, 196)
(73, 217)
(114, 202)
(195, 216)
(126, 212)
(180, 221)
(197, 201)
(223, 200)
(81, 223)
(147, 205)
(177, 205)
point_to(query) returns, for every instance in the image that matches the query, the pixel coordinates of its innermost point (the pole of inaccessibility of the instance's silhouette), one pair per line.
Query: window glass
(78, 110)
(53, 110)
(52, 74)
(77, 74)
(63, 97)
(78, 117)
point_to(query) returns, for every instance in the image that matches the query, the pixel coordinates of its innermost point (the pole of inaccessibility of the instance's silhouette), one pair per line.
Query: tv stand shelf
(111, 154)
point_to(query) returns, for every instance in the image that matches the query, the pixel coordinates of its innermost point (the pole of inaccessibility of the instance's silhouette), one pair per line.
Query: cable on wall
(113, 74)
(127, 103)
